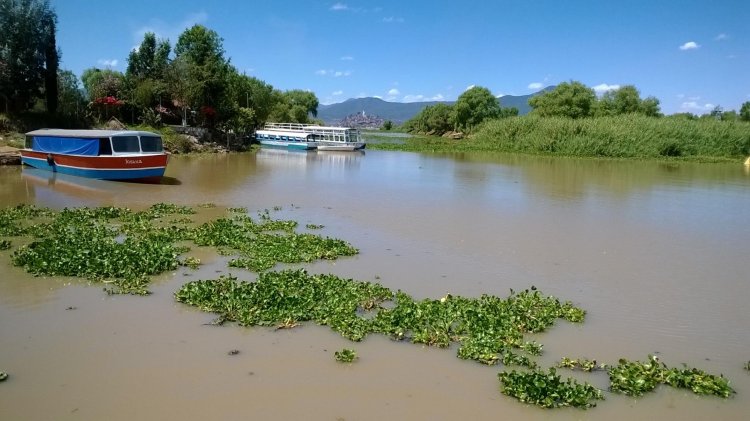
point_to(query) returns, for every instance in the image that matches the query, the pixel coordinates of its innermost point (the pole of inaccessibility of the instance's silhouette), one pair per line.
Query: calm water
(656, 253)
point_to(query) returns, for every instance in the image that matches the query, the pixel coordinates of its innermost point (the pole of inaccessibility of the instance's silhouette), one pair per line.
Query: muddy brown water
(656, 253)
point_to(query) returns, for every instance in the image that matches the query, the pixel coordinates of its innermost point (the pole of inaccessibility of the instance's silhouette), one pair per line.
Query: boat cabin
(94, 142)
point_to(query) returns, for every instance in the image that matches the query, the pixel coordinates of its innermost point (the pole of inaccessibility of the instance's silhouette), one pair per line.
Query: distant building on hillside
(361, 121)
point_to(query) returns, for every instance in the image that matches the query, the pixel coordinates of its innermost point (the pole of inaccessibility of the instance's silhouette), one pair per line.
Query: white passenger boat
(324, 138)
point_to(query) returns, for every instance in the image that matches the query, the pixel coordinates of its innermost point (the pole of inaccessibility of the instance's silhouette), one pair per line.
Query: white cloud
(393, 19)
(469, 87)
(321, 72)
(393, 91)
(695, 106)
(337, 93)
(536, 85)
(347, 58)
(690, 45)
(721, 37)
(339, 6)
(377, 96)
(107, 62)
(438, 97)
(339, 73)
(413, 98)
(603, 87)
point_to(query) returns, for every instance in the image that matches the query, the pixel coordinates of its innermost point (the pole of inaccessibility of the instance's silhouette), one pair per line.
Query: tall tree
(745, 111)
(28, 54)
(200, 55)
(51, 61)
(627, 100)
(569, 99)
(150, 59)
(474, 106)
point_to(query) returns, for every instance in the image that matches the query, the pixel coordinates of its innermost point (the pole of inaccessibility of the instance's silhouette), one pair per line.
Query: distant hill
(398, 112)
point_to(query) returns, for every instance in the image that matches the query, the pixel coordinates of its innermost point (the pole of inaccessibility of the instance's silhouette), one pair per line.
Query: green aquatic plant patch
(123, 248)
(487, 329)
(547, 389)
(635, 378)
(582, 364)
(346, 355)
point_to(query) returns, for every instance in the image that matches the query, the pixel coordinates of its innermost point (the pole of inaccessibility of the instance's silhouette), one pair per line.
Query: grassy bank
(628, 136)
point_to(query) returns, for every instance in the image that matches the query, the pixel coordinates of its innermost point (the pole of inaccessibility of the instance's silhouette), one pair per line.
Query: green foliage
(581, 364)
(548, 390)
(28, 54)
(626, 100)
(387, 125)
(489, 329)
(747, 366)
(745, 111)
(5, 244)
(569, 99)
(474, 106)
(436, 119)
(149, 60)
(635, 378)
(628, 136)
(123, 248)
(345, 355)
(100, 83)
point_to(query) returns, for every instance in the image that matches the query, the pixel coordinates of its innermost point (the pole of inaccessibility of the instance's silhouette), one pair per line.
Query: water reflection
(52, 189)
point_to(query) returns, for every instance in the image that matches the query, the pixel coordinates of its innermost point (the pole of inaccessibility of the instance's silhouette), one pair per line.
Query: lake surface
(656, 253)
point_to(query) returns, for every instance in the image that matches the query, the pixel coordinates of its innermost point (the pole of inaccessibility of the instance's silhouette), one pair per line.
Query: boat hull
(342, 146)
(127, 167)
(288, 145)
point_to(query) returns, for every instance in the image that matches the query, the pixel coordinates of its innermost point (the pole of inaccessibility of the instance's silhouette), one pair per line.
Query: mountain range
(399, 112)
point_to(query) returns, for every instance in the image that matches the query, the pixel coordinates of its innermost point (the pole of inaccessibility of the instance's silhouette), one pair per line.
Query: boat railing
(321, 133)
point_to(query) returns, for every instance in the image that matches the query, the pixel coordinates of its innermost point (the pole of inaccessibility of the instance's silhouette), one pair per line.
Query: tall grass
(627, 136)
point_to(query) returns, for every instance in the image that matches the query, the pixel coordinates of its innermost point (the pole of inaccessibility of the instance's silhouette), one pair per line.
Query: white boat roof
(297, 127)
(88, 133)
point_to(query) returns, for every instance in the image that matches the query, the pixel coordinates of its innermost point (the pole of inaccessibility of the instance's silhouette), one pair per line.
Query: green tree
(569, 99)
(474, 106)
(28, 53)
(745, 111)
(71, 99)
(433, 119)
(101, 83)
(306, 99)
(150, 60)
(199, 54)
(387, 125)
(627, 100)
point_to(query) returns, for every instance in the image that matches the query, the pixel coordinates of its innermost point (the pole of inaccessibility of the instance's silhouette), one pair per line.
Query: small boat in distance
(324, 138)
(101, 154)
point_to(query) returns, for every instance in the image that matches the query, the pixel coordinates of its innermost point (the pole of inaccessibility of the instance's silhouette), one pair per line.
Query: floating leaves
(634, 378)
(345, 355)
(123, 248)
(548, 390)
(581, 364)
(489, 329)
(3, 376)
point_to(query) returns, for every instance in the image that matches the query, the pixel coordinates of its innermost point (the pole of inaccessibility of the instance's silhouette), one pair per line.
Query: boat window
(29, 142)
(105, 148)
(125, 144)
(151, 144)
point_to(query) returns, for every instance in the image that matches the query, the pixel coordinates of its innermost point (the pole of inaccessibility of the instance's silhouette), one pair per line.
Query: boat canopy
(66, 145)
(83, 142)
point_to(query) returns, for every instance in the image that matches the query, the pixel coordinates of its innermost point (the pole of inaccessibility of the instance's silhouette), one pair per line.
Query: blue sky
(692, 55)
